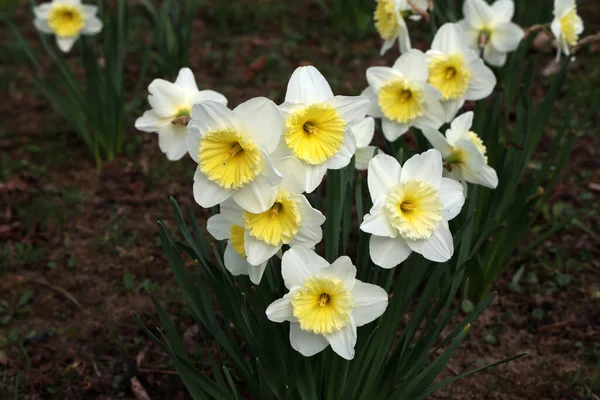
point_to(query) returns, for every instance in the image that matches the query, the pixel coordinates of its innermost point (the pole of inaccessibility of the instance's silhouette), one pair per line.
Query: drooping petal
(413, 65)
(219, 227)
(438, 141)
(171, 141)
(341, 269)
(314, 176)
(306, 343)
(65, 44)
(426, 167)
(452, 197)
(343, 341)
(364, 131)
(256, 272)
(434, 116)
(370, 301)
(150, 121)
(263, 121)
(281, 310)
(494, 57)
(298, 264)
(451, 107)
(393, 130)
(207, 193)
(377, 221)
(387, 45)
(485, 176)
(388, 252)
(363, 156)
(403, 36)
(257, 251)
(310, 216)
(307, 85)
(257, 196)
(235, 264)
(384, 173)
(438, 247)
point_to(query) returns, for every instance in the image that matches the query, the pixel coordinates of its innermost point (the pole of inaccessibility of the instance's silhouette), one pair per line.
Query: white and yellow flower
(232, 150)
(401, 96)
(67, 20)
(255, 237)
(325, 303)
(171, 111)
(364, 131)
(412, 205)
(463, 152)
(317, 126)
(489, 27)
(456, 70)
(389, 22)
(566, 26)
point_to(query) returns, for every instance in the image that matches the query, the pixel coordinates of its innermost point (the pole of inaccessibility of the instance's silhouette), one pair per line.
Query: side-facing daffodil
(401, 96)
(456, 70)
(232, 150)
(412, 205)
(317, 124)
(489, 28)
(67, 20)
(389, 22)
(171, 111)
(325, 303)
(463, 152)
(566, 26)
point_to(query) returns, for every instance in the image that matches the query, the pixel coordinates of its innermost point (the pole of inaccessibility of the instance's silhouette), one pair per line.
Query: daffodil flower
(232, 150)
(566, 26)
(463, 152)
(325, 303)
(171, 111)
(364, 131)
(317, 126)
(256, 237)
(389, 22)
(489, 27)
(401, 96)
(412, 205)
(456, 70)
(67, 20)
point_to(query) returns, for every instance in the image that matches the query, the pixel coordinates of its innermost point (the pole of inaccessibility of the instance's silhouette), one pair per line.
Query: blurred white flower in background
(566, 26)
(171, 111)
(489, 27)
(389, 22)
(67, 20)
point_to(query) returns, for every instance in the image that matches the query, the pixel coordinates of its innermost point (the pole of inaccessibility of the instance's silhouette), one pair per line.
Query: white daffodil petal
(384, 173)
(388, 44)
(477, 12)
(211, 116)
(363, 156)
(207, 193)
(256, 272)
(343, 341)
(403, 36)
(65, 44)
(185, 79)
(494, 57)
(438, 141)
(171, 141)
(164, 98)
(307, 85)
(460, 127)
(451, 107)
(413, 65)
(298, 264)
(344, 155)
(379, 76)
(294, 176)
(482, 83)
(92, 26)
(452, 198)
(393, 130)
(388, 252)
(306, 343)
(219, 227)
(150, 121)
(342, 269)
(281, 310)
(235, 264)
(370, 301)
(234, 213)
(449, 39)
(426, 167)
(257, 196)
(506, 37)
(257, 251)
(42, 26)
(434, 116)
(192, 140)
(373, 110)
(486, 176)
(377, 221)
(308, 236)
(503, 10)
(263, 121)
(89, 10)
(314, 176)
(208, 95)
(352, 109)
(310, 216)
(363, 132)
(438, 247)
(42, 11)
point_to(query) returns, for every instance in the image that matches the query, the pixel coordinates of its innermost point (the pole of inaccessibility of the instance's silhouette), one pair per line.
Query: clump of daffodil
(489, 28)
(389, 22)
(232, 150)
(317, 124)
(566, 26)
(401, 96)
(171, 111)
(463, 152)
(67, 20)
(412, 205)
(456, 70)
(255, 237)
(325, 303)
(364, 131)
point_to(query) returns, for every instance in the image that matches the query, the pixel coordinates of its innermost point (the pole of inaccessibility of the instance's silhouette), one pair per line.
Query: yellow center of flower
(568, 25)
(315, 133)
(66, 20)
(415, 209)
(476, 140)
(323, 305)
(450, 75)
(400, 101)
(229, 158)
(279, 224)
(236, 235)
(386, 20)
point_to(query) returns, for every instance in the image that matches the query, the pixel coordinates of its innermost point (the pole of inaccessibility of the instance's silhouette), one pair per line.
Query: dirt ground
(79, 246)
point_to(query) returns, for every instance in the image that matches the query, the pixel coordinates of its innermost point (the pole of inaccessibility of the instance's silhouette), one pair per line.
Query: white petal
(298, 264)
(379, 76)
(341, 269)
(344, 340)
(388, 252)
(384, 173)
(460, 127)
(308, 236)
(373, 110)
(165, 98)
(234, 213)
(352, 109)
(393, 130)
(387, 45)
(89, 10)
(434, 116)
(294, 176)
(452, 197)
(450, 38)
(314, 176)
(426, 167)
(42, 26)
(219, 227)
(211, 116)
(404, 44)
(208, 95)
(307, 85)
(438, 247)
(171, 141)
(257, 196)
(474, 158)
(65, 44)
(506, 37)
(438, 141)
(370, 301)
(478, 13)
(364, 131)
(92, 26)
(413, 65)
(486, 176)
(150, 122)
(503, 10)
(273, 176)
(451, 107)
(281, 310)
(192, 140)
(363, 156)
(306, 343)
(310, 216)
(377, 221)
(482, 83)
(257, 251)
(207, 193)
(344, 155)
(234, 263)
(185, 80)
(263, 121)
(494, 57)
(256, 272)
(42, 11)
